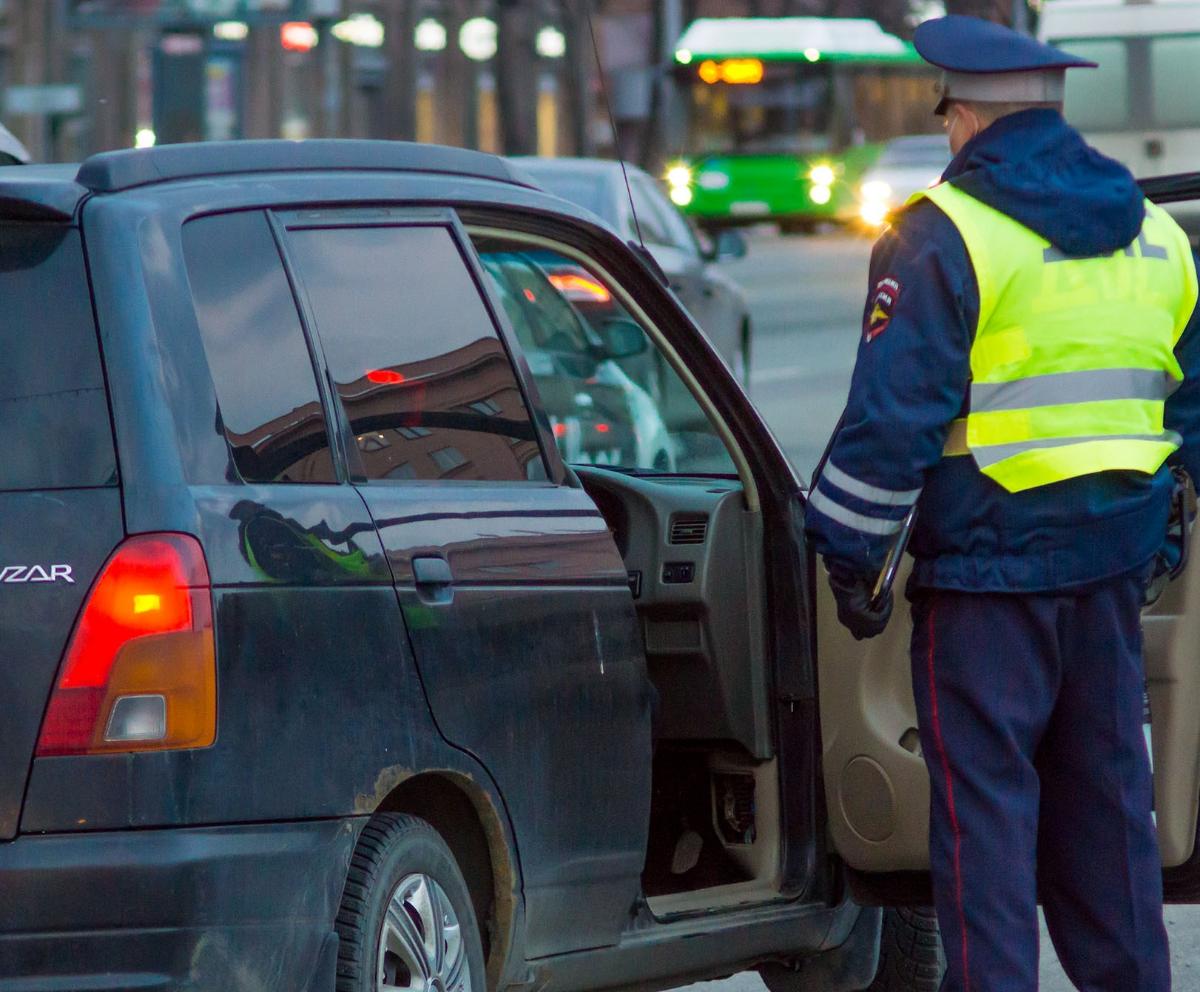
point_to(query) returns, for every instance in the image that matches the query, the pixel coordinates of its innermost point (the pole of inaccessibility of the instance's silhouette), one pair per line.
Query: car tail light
(140, 670)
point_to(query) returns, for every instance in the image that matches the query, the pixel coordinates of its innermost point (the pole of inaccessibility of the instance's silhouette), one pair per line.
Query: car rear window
(257, 352)
(55, 431)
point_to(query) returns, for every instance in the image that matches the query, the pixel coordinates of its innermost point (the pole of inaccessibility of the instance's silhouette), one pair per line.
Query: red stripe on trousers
(941, 745)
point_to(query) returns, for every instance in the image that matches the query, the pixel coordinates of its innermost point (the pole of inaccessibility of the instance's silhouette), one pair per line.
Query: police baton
(891, 564)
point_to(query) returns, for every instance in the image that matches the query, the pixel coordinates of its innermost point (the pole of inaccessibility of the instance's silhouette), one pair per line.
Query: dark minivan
(365, 623)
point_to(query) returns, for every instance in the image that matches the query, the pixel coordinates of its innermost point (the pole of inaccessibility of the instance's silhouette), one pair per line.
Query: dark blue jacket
(911, 380)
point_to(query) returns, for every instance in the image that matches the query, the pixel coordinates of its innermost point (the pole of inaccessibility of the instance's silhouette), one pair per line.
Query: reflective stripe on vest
(1073, 358)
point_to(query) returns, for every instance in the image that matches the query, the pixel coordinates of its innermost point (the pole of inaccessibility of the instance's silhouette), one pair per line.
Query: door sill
(719, 899)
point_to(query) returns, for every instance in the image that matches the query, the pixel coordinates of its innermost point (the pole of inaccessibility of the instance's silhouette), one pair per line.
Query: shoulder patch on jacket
(883, 305)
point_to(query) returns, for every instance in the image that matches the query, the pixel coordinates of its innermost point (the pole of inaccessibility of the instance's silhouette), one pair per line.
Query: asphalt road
(807, 298)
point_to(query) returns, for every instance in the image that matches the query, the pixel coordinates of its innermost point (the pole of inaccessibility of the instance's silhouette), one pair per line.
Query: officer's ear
(963, 122)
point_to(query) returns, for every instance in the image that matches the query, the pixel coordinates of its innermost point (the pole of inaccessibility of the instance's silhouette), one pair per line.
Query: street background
(806, 297)
(518, 77)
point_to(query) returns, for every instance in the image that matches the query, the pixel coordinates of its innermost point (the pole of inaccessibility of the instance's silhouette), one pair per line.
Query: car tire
(911, 958)
(406, 913)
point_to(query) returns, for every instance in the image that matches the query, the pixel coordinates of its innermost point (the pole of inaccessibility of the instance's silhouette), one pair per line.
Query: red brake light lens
(140, 670)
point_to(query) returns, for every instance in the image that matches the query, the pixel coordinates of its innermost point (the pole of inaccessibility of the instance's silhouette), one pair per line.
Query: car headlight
(681, 196)
(874, 213)
(822, 175)
(679, 175)
(876, 191)
(820, 194)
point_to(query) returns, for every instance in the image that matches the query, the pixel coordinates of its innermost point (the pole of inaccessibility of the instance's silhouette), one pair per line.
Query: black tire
(910, 952)
(393, 849)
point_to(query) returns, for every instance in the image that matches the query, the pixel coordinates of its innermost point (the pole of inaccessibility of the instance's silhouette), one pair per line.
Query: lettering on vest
(1145, 249)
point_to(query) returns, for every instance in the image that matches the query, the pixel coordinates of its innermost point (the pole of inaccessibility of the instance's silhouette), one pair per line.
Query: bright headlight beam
(874, 213)
(679, 175)
(822, 175)
(876, 190)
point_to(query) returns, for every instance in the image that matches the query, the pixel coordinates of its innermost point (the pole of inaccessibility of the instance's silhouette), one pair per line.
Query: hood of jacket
(1037, 169)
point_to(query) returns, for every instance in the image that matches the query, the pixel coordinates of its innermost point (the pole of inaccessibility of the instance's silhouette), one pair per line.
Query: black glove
(853, 594)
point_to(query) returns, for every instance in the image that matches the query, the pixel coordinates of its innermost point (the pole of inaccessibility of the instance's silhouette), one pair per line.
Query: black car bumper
(210, 908)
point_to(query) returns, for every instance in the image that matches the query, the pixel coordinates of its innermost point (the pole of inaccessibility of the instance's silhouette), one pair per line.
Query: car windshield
(587, 189)
(918, 150)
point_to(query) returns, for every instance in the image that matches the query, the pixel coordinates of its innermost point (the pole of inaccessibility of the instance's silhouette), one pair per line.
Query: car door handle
(433, 579)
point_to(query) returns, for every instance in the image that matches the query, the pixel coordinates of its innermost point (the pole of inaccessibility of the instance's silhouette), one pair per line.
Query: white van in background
(1142, 106)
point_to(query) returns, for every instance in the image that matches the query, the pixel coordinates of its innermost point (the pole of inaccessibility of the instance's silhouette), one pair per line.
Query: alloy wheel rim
(421, 947)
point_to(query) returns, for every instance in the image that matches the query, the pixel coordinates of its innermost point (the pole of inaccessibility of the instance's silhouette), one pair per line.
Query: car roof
(578, 166)
(54, 192)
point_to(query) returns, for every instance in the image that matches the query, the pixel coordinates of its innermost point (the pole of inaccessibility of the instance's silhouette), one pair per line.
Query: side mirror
(730, 244)
(621, 337)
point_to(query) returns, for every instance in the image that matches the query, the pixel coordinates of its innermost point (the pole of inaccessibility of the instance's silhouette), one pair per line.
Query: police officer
(1024, 328)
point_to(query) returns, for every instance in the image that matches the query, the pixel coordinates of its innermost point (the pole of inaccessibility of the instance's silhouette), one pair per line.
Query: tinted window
(54, 425)
(1098, 100)
(425, 382)
(1175, 80)
(629, 412)
(266, 387)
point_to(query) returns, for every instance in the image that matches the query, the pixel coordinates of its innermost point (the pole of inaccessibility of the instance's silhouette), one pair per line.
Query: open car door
(877, 788)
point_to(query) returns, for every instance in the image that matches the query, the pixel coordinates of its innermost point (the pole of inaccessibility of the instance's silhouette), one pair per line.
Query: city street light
(477, 39)
(231, 30)
(429, 36)
(363, 30)
(551, 43)
(298, 36)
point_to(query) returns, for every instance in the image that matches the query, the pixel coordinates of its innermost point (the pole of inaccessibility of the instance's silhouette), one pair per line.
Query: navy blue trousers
(1030, 710)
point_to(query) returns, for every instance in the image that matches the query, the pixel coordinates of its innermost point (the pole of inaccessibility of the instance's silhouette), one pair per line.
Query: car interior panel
(695, 561)
(877, 787)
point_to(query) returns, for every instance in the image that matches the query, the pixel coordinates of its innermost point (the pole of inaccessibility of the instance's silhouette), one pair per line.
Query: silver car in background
(713, 299)
(905, 166)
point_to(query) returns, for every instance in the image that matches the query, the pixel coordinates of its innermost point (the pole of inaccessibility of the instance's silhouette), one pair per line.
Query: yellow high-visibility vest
(1073, 358)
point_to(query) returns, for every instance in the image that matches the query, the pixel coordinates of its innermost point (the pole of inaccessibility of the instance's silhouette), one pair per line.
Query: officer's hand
(853, 594)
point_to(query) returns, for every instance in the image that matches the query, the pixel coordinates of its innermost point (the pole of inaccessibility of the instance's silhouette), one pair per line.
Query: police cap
(991, 63)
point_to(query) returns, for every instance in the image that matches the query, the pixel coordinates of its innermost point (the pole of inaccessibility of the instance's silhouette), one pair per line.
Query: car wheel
(406, 919)
(910, 952)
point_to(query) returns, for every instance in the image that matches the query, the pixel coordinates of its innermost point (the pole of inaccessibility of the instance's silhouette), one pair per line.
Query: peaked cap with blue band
(991, 63)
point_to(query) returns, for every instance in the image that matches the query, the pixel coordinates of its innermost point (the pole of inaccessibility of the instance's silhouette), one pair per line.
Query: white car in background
(907, 164)
(1142, 105)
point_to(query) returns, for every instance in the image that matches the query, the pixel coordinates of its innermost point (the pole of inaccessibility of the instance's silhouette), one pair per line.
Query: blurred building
(516, 76)
(82, 75)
